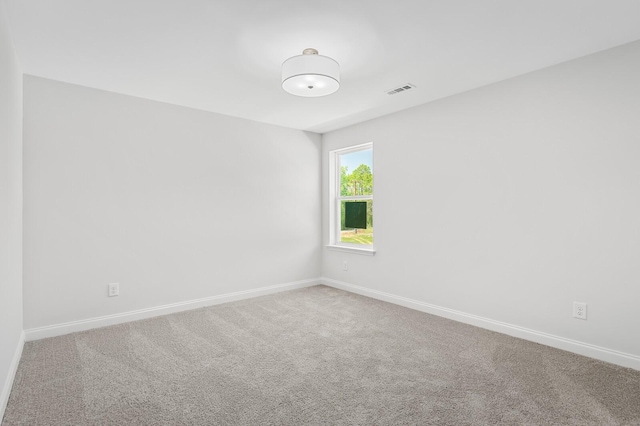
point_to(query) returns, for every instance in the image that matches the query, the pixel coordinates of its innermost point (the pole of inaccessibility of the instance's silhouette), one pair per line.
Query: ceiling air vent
(400, 89)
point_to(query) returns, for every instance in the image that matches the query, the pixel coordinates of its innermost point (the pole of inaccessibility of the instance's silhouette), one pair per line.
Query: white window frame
(335, 199)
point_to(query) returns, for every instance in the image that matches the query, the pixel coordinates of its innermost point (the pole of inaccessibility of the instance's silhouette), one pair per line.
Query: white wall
(512, 201)
(10, 208)
(174, 204)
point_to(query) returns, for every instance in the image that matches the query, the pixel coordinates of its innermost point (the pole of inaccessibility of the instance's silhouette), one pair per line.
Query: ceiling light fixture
(310, 75)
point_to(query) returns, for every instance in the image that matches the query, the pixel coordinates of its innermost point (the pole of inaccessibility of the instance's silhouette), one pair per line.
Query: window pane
(356, 173)
(352, 215)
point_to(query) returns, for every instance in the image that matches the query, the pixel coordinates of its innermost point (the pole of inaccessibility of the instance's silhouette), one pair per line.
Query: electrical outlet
(580, 310)
(114, 289)
(345, 265)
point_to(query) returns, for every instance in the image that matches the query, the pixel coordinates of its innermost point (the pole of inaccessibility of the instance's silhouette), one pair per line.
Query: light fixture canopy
(310, 75)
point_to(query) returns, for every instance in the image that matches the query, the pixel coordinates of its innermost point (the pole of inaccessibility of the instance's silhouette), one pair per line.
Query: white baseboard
(13, 369)
(581, 348)
(87, 324)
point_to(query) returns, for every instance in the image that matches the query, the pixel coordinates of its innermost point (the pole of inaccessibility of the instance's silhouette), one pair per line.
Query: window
(351, 195)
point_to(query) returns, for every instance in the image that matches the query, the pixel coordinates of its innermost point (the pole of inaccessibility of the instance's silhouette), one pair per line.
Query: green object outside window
(355, 215)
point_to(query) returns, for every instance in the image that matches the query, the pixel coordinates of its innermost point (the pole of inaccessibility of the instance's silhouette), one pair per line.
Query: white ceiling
(225, 55)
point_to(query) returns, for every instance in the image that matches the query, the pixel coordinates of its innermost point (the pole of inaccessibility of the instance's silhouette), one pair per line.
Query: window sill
(355, 250)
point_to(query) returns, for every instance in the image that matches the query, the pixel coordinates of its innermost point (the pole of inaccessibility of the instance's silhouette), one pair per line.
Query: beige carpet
(312, 356)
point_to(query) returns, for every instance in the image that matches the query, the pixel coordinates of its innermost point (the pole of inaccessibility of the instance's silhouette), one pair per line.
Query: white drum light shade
(310, 74)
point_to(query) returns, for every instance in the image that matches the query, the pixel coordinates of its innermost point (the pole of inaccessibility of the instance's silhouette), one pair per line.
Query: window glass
(355, 198)
(356, 173)
(353, 227)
